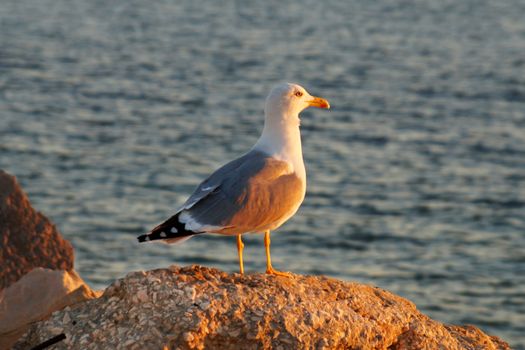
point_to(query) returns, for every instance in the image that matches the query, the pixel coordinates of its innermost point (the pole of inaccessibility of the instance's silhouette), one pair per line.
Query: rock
(37, 276)
(34, 297)
(203, 308)
(27, 238)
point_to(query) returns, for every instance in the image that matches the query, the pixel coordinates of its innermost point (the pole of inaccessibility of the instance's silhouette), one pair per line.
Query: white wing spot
(174, 230)
(206, 188)
(163, 234)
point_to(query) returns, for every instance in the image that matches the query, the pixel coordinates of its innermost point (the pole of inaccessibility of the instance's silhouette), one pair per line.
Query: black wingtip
(169, 229)
(143, 238)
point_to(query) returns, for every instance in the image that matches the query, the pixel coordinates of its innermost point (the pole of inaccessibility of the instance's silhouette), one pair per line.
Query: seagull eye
(298, 94)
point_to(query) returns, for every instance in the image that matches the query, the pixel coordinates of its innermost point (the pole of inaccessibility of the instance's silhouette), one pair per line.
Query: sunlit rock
(203, 308)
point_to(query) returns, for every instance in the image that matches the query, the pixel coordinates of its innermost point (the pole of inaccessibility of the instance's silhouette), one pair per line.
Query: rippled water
(112, 111)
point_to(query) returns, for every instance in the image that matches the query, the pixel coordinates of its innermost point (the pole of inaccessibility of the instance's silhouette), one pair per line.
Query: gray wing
(226, 173)
(245, 195)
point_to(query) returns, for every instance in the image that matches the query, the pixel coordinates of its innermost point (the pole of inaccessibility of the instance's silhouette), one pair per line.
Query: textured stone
(27, 238)
(301, 312)
(37, 276)
(34, 297)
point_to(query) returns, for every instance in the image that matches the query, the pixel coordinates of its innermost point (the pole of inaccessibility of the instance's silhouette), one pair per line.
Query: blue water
(112, 111)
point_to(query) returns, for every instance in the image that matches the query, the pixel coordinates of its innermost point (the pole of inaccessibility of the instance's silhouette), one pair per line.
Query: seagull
(257, 192)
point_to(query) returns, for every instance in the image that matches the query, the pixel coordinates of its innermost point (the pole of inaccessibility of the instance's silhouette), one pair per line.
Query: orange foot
(271, 271)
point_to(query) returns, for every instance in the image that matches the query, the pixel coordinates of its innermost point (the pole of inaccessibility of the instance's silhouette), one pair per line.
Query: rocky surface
(36, 274)
(202, 308)
(34, 297)
(27, 238)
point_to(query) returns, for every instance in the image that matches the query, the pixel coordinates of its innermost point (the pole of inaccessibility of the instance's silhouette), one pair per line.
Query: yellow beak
(319, 102)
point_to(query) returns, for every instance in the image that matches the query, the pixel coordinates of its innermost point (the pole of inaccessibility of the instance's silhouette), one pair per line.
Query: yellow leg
(269, 268)
(240, 247)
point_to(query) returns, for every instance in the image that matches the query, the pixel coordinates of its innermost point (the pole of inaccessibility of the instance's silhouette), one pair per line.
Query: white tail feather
(177, 240)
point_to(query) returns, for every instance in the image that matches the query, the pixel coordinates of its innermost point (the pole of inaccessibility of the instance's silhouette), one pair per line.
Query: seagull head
(287, 100)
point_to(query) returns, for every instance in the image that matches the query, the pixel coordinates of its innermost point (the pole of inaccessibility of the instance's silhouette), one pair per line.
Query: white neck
(281, 139)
